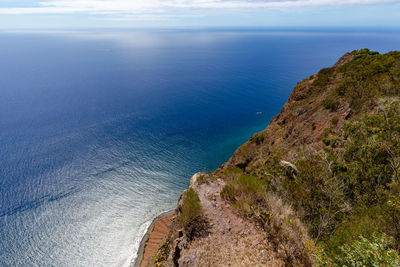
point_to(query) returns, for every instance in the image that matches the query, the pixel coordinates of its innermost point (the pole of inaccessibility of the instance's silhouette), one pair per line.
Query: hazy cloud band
(126, 7)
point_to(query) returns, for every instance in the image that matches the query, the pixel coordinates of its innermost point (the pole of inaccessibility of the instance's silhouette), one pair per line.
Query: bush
(205, 178)
(364, 222)
(191, 214)
(332, 142)
(232, 173)
(233, 170)
(372, 151)
(228, 193)
(341, 90)
(323, 76)
(258, 138)
(335, 120)
(242, 206)
(364, 51)
(363, 252)
(284, 228)
(331, 103)
(244, 192)
(251, 186)
(368, 76)
(191, 207)
(318, 194)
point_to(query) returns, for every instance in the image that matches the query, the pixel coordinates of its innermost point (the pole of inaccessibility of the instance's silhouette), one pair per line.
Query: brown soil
(232, 240)
(156, 237)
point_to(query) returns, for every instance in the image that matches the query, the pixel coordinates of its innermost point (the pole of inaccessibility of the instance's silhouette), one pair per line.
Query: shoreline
(140, 252)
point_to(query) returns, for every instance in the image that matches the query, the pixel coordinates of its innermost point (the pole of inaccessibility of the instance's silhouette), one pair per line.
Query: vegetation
(191, 207)
(353, 191)
(324, 76)
(364, 252)
(244, 193)
(347, 194)
(331, 103)
(368, 76)
(163, 251)
(191, 214)
(323, 180)
(258, 138)
(340, 194)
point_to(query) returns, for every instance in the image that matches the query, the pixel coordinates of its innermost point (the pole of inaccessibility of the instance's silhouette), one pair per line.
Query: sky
(199, 13)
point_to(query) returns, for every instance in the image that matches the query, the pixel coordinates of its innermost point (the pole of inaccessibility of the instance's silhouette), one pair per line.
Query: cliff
(319, 186)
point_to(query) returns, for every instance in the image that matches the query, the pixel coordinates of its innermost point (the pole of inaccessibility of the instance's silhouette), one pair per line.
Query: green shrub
(368, 76)
(331, 103)
(228, 193)
(243, 206)
(332, 142)
(251, 186)
(363, 252)
(191, 207)
(205, 177)
(244, 192)
(258, 138)
(319, 193)
(363, 222)
(364, 51)
(233, 170)
(335, 120)
(341, 90)
(323, 76)
(191, 215)
(371, 151)
(232, 173)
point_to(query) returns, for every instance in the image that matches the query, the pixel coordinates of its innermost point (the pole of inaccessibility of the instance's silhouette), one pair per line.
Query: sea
(101, 129)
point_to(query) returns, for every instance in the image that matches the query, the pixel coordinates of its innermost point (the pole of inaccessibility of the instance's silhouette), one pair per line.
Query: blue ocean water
(101, 130)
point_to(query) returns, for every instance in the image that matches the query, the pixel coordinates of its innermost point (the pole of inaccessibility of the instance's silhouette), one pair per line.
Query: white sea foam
(138, 238)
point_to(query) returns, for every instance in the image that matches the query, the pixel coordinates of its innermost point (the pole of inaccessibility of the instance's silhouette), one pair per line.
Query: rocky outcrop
(291, 170)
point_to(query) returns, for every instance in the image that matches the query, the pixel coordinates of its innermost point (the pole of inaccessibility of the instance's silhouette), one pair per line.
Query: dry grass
(288, 233)
(241, 249)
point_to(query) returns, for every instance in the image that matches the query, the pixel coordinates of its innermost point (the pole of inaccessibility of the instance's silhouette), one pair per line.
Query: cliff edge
(318, 187)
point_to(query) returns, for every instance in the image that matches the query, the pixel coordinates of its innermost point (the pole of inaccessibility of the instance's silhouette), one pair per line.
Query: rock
(184, 242)
(193, 179)
(290, 168)
(189, 259)
(179, 244)
(343, 60)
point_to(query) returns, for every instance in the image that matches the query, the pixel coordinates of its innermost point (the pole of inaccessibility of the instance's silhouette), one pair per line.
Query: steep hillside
(319, 186)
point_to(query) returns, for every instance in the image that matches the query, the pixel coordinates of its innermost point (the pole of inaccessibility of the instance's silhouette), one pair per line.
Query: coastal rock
(189, 259)
(195, 177)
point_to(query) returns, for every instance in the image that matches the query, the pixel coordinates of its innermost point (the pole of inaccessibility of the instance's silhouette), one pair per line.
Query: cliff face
(299, 125)
(291, 194)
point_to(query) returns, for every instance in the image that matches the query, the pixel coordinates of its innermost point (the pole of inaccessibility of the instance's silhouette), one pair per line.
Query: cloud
(132, 7)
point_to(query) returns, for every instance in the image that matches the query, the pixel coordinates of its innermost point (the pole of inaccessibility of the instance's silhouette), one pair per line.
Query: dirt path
(232, 241)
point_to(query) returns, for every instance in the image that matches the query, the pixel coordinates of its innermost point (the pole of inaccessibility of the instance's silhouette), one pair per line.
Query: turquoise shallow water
(101, 130)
